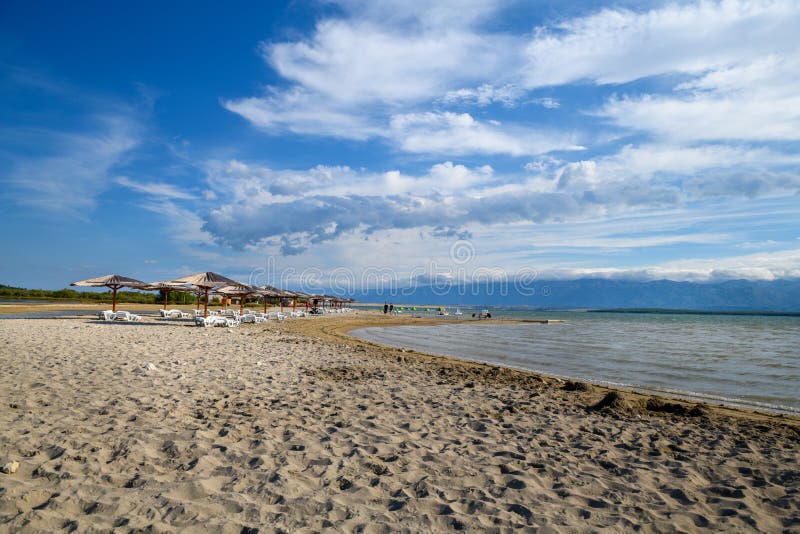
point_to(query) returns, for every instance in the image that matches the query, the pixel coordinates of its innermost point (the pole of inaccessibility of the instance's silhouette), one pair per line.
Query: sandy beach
(296, 427)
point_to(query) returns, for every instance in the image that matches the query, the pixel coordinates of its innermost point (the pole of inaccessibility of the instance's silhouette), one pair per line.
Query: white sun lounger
(106, 315)
(173, 314)
(215, 320)
(126, 316)
(252, 318)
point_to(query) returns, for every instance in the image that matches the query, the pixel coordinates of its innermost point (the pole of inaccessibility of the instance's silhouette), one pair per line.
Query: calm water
(744, 361)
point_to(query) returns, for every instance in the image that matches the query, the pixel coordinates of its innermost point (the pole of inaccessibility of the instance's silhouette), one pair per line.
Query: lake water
(748, 361)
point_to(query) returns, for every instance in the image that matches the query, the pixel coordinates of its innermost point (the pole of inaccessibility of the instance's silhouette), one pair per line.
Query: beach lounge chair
(106, 315)
(252, 318)
(126, 316)
(215, 320)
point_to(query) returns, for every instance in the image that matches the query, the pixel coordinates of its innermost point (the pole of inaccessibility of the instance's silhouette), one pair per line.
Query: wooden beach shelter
(295, 295)
(270, 292)
(113, 282)
(167, 287)
(237, 290)
(206, 282)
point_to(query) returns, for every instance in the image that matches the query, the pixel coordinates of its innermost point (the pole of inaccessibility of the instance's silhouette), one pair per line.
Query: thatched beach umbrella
(206, 281)
(113, 282)
(237, 290)
(294, 296)
(270, 292)
(167, 287)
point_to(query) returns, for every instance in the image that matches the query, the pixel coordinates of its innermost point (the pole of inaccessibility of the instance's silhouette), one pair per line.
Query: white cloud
(759, 266)
(755, 102)
(75, 167)
(486, 94)
(701, 171)
(460, 134)
(362, 61)
(154, 189)
(384, 62)
(255, 184)
(300, 111)
(617, 46)
(549, 103)
(183, 224)
(323, 203)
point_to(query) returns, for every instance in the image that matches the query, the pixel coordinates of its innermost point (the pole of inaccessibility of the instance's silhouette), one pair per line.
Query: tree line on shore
(138, 297)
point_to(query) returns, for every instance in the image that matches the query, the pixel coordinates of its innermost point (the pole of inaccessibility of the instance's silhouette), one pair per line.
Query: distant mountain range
(732, 295)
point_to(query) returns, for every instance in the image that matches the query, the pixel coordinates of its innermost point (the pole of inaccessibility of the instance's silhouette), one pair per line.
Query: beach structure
(297, 295)
(113, 282)
(241, 291)
(167, 287)
(206, 281)
(268, 292)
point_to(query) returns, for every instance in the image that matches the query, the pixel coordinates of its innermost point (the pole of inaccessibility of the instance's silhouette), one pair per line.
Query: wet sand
(297, 427)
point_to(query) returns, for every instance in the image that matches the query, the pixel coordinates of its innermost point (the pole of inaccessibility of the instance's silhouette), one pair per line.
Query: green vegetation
(138, 297)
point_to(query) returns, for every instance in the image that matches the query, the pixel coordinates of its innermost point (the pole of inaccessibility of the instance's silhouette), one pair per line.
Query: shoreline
(342, 332)
(668, 395)
(297, 426)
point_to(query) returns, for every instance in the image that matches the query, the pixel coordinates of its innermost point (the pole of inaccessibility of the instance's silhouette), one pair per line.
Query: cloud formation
(64, 172)
(302, 208)
(737, 62)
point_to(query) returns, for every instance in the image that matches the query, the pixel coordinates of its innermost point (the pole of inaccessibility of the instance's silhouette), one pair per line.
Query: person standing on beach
(385, 308)
(391, 308)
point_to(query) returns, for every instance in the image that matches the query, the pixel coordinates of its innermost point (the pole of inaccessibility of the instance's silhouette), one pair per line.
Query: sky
(344, 143)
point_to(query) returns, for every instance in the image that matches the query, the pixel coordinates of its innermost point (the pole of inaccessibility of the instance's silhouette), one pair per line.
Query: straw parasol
(113, 282)
(237, 290)
(167, 287)
(206, 281)
(270, 291)
(300, 295)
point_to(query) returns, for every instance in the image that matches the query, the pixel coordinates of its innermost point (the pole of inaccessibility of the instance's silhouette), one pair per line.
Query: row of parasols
(206, 283)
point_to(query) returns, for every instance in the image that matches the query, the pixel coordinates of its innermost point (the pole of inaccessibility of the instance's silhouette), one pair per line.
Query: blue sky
(347, 140)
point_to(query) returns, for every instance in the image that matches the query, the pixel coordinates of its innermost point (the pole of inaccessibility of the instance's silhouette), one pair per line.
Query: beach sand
(296, 427)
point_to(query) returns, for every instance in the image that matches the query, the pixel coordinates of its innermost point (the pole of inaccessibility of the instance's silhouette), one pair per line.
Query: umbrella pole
(294, 303)
(241, 305)
(205, 304)
(114, 299)
(165, 299)
(281, 301)
(265, 304)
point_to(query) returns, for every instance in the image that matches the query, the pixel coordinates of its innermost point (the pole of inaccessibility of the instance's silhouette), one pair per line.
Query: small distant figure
(473, 315)
(391, 308)
(385, 308)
